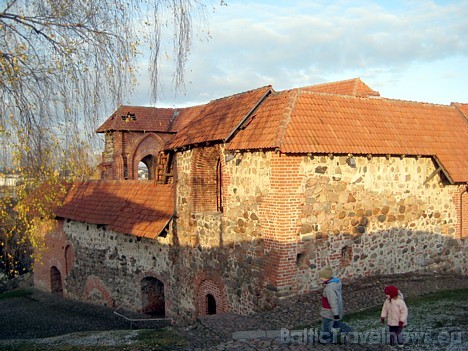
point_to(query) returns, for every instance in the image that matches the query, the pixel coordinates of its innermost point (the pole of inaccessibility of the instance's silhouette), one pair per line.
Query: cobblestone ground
(43, 315)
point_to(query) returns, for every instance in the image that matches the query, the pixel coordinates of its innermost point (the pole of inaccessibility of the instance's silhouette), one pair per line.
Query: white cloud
(412, 45)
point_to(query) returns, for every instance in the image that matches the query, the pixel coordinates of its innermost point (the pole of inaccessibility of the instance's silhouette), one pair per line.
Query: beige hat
(326, 273)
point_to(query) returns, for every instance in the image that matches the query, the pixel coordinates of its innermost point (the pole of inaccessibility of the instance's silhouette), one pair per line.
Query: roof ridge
(356, 86)
(372, 98)
(241, 93)
(331, 83)
(286, 116)
(249, 113)
(413, 102)
(457, 107)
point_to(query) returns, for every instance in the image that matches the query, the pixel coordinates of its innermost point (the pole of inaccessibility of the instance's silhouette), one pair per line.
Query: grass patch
(431, 312)
(456, 295)
(160, 339)
(15, 293)
(437, 310)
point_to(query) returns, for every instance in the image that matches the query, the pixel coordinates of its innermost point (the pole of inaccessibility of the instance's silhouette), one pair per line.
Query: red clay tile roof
(185, 116)
(301, 121)
(462, 108)
(141, 208)
(149, 119)
(354, 87)
(264, 128)
(219, 118)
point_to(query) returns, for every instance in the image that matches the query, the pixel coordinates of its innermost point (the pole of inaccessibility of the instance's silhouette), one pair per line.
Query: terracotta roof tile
(462, 108)
(138, 118)
(149, 119)
(262, 129)
(219, 118)
(354, 87)
(140, 208)
(185, 116)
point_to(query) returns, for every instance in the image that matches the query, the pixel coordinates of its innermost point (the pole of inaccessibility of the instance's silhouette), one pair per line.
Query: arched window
(143, 171)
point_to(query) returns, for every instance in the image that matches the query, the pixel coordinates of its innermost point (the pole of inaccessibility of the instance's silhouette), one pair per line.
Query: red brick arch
(95, 284)
(150, 144)
(210, 284)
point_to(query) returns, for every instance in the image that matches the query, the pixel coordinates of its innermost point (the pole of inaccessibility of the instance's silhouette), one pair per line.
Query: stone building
(250, 195)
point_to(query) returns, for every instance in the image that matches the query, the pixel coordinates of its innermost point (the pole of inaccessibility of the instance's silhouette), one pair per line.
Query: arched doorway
(143, 171)
(152, 297)
(211, 298)
(210, 304)
(146, 167)
(55, 280)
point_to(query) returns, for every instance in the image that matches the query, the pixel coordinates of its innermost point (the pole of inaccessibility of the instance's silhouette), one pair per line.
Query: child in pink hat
(395, 311)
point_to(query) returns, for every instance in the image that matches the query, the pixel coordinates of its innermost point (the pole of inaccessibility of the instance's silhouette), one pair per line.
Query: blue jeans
(328, 324)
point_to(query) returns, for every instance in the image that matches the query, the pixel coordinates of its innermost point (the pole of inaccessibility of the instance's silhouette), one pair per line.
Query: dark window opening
(210, 304)
(129, 117)
(302, 260)
(346, 254)
(55, 280)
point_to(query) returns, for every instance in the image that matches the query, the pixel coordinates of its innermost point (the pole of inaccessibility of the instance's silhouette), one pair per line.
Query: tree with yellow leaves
(62, 62)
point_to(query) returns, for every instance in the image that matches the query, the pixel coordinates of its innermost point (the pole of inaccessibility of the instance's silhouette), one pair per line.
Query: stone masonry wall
(292, 215)
(114, 264)
(377, 218)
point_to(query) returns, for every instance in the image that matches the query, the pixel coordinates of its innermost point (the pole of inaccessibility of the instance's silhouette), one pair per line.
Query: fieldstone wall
(376, 216)
(382, 216)
(227, 244)
(114, 264)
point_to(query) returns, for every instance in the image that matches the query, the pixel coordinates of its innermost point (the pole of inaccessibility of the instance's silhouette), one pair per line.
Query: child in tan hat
(332, 304)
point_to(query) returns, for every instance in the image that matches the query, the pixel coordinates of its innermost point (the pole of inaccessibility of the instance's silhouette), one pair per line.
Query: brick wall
(124, 150)
(461, 203)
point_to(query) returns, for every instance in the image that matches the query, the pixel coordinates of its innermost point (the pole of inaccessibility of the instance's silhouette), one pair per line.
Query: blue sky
(410, 50)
